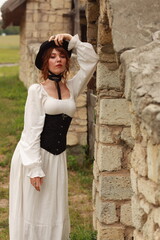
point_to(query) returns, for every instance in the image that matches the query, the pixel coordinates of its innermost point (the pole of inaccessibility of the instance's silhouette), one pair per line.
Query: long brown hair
(45, 59)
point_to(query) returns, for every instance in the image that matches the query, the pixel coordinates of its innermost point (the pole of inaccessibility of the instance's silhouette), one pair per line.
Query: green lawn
(9, 49)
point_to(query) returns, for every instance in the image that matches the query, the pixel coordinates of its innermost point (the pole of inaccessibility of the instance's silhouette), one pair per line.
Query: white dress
(44, 215)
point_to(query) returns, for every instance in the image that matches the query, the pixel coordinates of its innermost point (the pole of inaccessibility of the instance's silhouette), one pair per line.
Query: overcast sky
(1, 3)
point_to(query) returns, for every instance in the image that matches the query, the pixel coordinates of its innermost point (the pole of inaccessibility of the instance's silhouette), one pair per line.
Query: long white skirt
(40, 215)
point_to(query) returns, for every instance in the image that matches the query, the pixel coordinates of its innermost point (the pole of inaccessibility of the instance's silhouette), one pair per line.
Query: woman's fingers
(58, 39)
(36, 182)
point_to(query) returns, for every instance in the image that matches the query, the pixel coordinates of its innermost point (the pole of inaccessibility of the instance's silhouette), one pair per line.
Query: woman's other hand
(36, 182)
(58, 39)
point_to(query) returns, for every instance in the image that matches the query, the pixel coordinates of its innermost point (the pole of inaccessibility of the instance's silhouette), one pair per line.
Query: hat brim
(45, 46)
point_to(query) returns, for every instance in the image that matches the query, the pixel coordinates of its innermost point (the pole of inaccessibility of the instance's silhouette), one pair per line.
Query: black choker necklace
(57, 79)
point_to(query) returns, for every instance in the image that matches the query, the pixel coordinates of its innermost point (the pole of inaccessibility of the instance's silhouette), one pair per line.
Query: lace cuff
(35, 172)
(73, 42)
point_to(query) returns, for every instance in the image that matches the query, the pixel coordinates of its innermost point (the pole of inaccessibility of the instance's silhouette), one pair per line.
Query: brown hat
(45, 46)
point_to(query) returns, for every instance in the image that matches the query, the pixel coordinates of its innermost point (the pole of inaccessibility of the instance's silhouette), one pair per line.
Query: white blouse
(39, 103)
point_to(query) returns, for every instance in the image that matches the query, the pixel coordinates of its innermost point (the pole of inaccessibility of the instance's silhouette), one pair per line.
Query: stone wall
(142, 74)
(126, 162)
(43, 19)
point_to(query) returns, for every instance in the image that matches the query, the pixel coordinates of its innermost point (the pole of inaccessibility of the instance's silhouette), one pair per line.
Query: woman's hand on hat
(58, 39)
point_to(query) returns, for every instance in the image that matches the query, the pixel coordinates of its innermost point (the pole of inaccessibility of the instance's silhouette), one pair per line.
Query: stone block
(67, 5)
(156, 215)
(107, 79)
(138, 159)
(126, 214)
(134, 180)
(153, 161)
(141, 22)
(109, 157)
(106, 211)
(103, 10)
(45, 6)
(56, 4)
(51, 18)
(92, 11)
(149, 227)
(81, 100)
(81, 122)
(81, 113)
(114, 112)
(94, 192)
(82, 138)
(115, 186)
(109, 134)
(138, 236)
(96, 170)
(157, 234)
(148, 189)
(43, 26)
(32, 6)
(104, 34)
(138, 214)
(115, 232)
(94, 221)
(72, 139)
(92, 32)
(145, 206)
(126, 137)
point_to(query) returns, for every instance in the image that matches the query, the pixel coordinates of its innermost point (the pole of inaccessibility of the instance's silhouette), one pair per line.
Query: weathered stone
(111, 232)
(81, 100)
(148, 189)
(153, 161)
(109, 134)
(92, 11)
(126, 137)
(56, 4)
(145, 206)
(148, 228)
(107, 79)
(72, 139)
(81, 113)
(106, 211)
(82, 137)
(95, 170)
(134, 180)
(157, 234)
(142, 21)
(138, 214)
(138, 159)
(138, 236)
(114, 112)
(115, 186)
(109, 157)
(156, 214)
(126, 214)
(104, 34)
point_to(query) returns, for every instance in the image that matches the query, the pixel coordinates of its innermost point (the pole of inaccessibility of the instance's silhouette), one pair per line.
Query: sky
(1, 3)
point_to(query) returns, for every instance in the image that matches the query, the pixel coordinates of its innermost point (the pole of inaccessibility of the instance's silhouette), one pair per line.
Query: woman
(38, 177)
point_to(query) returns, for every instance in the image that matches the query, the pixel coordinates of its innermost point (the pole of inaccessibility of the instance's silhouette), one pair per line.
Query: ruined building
(124, 104)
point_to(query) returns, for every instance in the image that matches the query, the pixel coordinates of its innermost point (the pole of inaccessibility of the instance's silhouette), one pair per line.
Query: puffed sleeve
(33, 124)
(87, 60)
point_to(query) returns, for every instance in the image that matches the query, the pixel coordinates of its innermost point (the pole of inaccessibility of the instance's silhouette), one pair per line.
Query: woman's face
(57, 62)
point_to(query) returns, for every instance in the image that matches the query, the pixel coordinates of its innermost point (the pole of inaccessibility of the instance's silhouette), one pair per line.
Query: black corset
(53, 136)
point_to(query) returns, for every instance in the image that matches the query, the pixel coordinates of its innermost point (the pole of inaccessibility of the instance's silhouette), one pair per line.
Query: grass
(12, 100)
(9, 49)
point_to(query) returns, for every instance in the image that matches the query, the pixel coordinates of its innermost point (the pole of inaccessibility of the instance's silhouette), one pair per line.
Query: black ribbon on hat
(57, 79)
